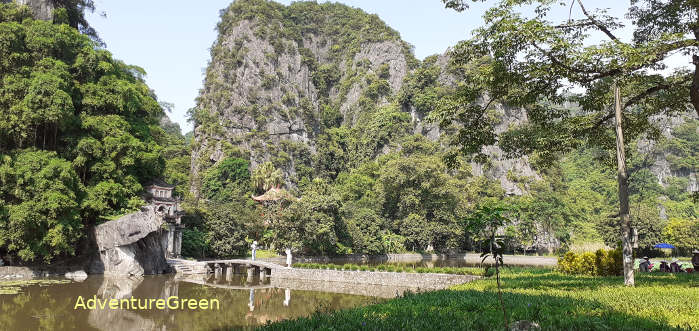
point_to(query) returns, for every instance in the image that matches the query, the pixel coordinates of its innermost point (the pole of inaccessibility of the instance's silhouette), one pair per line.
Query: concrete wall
(371, 290)
(402, 279)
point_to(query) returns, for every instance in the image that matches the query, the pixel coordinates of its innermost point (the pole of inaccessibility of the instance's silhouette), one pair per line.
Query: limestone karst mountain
(281, 77)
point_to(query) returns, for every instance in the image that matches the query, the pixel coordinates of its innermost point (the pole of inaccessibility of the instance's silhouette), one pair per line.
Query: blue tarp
(664, 245)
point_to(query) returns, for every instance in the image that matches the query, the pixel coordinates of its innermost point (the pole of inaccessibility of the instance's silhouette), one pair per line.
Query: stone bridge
(218, 267)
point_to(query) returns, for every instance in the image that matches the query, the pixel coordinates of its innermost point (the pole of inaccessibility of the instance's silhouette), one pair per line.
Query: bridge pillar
(251, 273)
(217, 271)
(229, 271)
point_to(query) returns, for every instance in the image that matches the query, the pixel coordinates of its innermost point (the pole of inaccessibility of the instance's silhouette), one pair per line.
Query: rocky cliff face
(275, 80)
(42, 9)
(280, 75)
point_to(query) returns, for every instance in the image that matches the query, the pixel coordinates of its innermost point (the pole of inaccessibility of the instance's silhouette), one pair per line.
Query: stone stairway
(187, 267)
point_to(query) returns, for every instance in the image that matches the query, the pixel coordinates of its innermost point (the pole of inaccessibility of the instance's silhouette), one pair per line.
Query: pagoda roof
(159, 183)
(274, 194)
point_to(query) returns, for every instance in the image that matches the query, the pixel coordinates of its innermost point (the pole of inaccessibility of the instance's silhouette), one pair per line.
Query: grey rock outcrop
(261, 89)
(133, 245)
(659, 158)
(524, 326)
(262, 101)
(78, 275)
(42, 9)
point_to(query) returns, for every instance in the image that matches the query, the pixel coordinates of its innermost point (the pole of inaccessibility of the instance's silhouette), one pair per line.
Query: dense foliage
(79, 136)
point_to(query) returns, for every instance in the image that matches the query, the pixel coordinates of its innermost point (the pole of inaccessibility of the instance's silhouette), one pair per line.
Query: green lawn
(554, 300)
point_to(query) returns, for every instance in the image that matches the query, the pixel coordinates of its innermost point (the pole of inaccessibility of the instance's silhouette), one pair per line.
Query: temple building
(159, 194)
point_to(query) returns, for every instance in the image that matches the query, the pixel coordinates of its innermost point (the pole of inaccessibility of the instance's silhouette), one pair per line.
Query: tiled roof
(159, 183)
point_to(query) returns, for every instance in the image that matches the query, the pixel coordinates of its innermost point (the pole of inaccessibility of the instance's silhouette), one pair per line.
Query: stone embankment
(279, 274)
(424, 281)
(466, 258)
(73, 272)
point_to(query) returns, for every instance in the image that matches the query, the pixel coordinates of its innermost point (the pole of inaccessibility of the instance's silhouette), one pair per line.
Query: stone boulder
(133, 245)
(524, 326)
(77, 276)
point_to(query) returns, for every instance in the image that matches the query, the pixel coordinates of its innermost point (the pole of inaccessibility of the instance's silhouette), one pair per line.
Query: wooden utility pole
(627, 248)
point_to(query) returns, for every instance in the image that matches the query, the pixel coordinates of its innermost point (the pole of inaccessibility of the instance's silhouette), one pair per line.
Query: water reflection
(244, 302)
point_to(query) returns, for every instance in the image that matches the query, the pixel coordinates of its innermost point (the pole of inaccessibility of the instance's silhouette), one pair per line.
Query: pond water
(242, 303)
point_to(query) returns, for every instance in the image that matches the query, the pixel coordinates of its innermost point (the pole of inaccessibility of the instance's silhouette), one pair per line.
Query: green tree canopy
(71, 114)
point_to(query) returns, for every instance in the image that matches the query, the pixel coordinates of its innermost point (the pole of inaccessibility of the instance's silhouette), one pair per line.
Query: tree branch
(633, 101)
(596, 23)
(659, 56)
(602, 120)
(573, 25)
(556, 61)
(645, 93)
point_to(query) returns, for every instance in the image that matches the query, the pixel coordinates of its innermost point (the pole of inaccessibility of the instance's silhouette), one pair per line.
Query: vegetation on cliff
(79, 136)
(372, 176)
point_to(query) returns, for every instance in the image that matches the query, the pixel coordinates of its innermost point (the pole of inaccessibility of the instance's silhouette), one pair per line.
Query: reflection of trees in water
(268, 303)
(52, 307)
(39, 308)
(120, 319)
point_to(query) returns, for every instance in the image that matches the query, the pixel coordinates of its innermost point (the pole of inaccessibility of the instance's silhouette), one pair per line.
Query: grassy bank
(553, 300)
(394, 268)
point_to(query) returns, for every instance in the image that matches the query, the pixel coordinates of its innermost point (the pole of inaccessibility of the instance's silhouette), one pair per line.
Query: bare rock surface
(133, 245)
(42, 9)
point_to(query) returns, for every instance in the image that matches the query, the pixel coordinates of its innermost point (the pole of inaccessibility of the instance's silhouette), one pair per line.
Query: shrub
(600, 263)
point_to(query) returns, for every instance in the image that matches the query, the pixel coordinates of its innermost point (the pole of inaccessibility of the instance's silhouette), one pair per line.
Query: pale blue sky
(171, 39)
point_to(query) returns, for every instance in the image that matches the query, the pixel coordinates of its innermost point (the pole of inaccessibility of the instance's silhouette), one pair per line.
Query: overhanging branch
(597, 23)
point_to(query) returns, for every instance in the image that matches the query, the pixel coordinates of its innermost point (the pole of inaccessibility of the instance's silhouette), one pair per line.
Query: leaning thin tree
(564, 53)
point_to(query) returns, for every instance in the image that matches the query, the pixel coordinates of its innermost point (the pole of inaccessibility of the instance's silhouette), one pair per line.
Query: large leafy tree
(309, 224)
(422, 202)
(64, 102)
(39, 218)
(535, 61)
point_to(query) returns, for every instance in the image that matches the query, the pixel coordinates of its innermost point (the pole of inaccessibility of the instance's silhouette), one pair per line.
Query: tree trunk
(623, 194)
(694, 90)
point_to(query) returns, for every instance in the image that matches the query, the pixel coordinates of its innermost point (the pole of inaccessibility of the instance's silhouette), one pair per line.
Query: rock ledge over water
(133, 245)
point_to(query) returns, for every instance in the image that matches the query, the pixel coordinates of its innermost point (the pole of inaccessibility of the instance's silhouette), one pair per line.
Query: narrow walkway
(199, 267)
